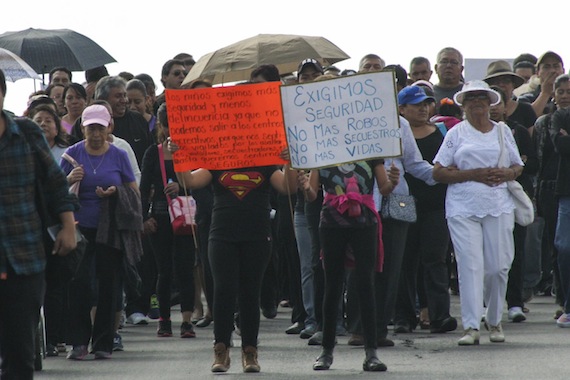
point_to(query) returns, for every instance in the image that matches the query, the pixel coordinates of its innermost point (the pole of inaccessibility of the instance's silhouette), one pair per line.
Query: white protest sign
(346, 119)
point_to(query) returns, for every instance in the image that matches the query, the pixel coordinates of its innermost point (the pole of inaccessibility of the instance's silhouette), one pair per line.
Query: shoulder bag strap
(163, 170)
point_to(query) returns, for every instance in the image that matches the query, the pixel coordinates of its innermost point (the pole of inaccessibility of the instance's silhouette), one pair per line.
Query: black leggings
(237, 268)
(364, 243)
(175, 256)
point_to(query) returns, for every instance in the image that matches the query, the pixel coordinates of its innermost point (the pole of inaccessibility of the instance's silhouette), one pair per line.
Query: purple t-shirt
(110, 169)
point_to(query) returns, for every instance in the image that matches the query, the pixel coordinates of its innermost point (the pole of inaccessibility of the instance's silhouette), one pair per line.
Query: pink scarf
(342, 203)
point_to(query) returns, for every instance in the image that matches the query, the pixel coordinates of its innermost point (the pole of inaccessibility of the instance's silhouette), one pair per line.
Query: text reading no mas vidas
(226, 127)
(341, 120)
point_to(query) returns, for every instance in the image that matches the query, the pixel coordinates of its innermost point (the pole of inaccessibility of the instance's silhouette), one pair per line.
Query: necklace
(100, 162)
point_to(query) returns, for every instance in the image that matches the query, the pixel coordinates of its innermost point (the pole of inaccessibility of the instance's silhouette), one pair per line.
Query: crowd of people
(100, 155)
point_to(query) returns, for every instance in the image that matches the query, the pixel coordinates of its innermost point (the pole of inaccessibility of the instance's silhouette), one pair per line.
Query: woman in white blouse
(479, 208)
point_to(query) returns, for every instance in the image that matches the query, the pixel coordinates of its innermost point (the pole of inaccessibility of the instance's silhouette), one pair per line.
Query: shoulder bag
(182, 209)
(399, 207)
(524, 209)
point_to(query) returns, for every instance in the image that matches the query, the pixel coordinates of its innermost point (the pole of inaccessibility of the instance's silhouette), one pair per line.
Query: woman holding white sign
(239, 249)
(349, 218)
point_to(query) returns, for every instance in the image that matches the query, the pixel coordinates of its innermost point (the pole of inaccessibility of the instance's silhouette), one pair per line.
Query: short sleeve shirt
(467, 148)
(242, 204)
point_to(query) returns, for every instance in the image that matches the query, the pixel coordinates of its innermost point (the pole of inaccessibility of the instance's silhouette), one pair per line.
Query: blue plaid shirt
(21, 235)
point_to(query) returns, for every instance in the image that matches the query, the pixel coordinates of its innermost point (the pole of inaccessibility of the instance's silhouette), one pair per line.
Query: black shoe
(402, 328)
(440, 327)
(204, 322)
(385, 342)
(269, 312)
(324, 360)
(372, 363)
(51, 350)
(295, 328)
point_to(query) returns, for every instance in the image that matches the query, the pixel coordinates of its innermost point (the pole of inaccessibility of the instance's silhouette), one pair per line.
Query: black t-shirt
(133, 128)
(242, 206)
(524, 114)
(428, 198)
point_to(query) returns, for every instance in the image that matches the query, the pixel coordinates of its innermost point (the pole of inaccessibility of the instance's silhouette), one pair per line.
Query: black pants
(426, 243)
(364, 244)
(21, 297)
(55, 299)
(138, 299)
(516, 273)
(98, 278)
(238, 269)
(203, 233)
(175, 256)
(547, 207)
(394, 235)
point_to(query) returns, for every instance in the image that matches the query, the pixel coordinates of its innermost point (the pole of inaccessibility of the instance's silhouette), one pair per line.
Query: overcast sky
(141, 36)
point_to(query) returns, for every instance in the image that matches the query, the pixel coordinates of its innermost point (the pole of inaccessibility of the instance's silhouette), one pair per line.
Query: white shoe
(137, 319)
(496, 334)
(516, 314)
(470, 338)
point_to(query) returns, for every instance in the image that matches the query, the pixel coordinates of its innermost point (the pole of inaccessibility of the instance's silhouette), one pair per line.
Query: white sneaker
(496, 334)
(470, 338)
(137, 319)
(516, 314)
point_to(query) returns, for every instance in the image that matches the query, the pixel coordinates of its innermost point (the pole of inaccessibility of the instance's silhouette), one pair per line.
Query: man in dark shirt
(129, 125)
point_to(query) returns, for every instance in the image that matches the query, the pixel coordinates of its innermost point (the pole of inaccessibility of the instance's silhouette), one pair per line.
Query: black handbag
(72, 261)
(399, 207)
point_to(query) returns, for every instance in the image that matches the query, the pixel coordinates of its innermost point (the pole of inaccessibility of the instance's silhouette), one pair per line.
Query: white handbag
(524, 209)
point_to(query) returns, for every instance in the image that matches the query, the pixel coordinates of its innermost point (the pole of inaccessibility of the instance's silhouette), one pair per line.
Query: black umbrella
(45, 49)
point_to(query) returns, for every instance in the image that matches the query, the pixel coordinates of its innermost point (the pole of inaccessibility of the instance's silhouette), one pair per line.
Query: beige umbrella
(235, 62)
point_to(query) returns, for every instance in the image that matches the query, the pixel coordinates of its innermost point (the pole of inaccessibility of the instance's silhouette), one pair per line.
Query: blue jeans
(562, 244)
(305, 258)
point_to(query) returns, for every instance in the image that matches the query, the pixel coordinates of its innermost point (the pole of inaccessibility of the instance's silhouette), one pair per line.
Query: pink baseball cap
(96, 114)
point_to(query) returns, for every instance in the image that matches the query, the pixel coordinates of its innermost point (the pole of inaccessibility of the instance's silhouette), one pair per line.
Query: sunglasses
(476, 96)
(178, 72)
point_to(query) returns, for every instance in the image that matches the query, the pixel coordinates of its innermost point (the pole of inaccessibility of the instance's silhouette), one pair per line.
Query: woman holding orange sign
(239, 249)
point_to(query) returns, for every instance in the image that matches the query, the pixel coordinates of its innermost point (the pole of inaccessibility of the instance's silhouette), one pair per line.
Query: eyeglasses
(476, 96)
(447, 62)
(178, 72)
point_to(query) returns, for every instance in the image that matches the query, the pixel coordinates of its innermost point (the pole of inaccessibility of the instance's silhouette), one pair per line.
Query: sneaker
(564, 320)
(118, 343)
(164, 329)
(102, 355)
(470, 338)
(78, 353)
(516, 314)
(187, 331)
(496, 334)
(137, 319)
(153, 312)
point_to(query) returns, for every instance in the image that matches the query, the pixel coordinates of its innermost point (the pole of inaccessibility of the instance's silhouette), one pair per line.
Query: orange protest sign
(226, 127)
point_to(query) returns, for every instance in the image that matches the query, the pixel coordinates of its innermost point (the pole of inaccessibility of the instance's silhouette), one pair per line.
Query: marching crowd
(96, 158)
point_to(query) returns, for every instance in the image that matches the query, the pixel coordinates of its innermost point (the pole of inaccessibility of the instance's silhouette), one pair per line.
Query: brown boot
(249, 359)
(221, 358)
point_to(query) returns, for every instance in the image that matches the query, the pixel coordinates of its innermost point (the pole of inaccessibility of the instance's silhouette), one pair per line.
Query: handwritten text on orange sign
(226, 127)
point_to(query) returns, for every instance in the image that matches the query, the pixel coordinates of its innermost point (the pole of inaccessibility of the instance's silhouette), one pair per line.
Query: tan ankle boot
(249, 359)
(221, 358)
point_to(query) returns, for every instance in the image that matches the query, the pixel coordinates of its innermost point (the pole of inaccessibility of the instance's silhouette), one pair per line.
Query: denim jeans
(562, 244)
(306, 260)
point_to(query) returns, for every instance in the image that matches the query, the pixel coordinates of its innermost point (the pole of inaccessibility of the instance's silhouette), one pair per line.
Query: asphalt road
(534, 349)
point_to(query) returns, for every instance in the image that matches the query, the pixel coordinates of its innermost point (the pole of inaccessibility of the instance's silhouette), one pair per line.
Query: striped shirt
(21, 238)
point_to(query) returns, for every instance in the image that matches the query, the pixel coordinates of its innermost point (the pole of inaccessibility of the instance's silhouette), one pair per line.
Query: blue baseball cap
(412, 95)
